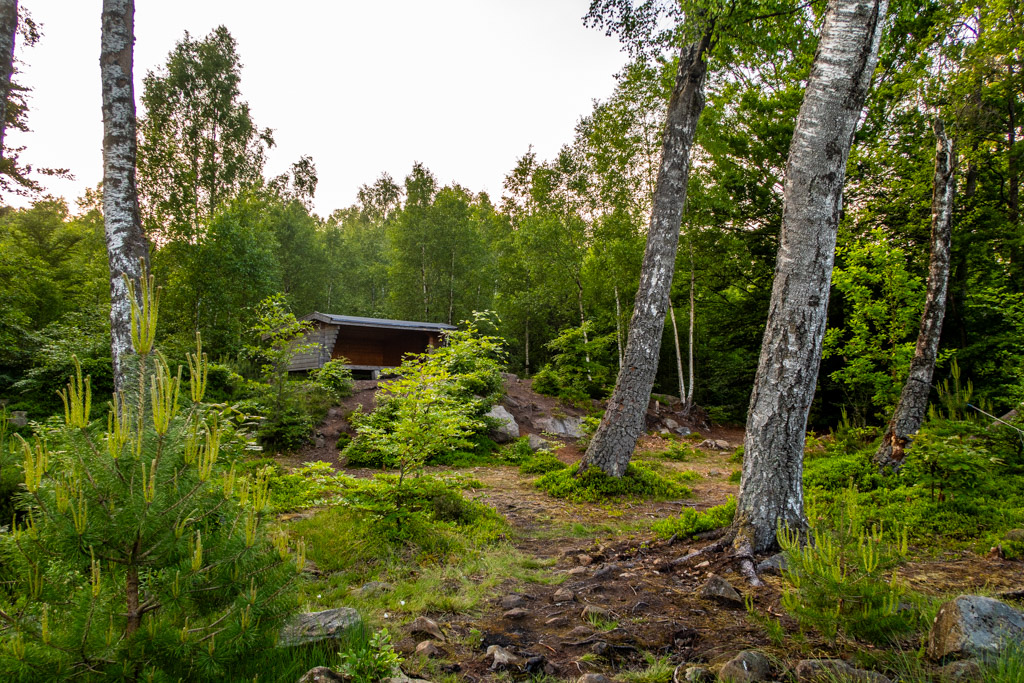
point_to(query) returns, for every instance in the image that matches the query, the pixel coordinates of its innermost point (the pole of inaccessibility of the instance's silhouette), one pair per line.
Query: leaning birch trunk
(679, 356)
(8, 29)
(624, 418)
(913, 403)
(771, 491)
(126, 245)
(689, 349)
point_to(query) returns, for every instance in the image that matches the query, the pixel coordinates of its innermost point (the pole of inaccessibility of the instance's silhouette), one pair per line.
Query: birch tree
(8, 28)
(126, 245)
(913, 402)
(771, 491)
(623, 422)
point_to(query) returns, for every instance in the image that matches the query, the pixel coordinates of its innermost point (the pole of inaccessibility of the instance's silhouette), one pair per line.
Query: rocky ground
(619, 595)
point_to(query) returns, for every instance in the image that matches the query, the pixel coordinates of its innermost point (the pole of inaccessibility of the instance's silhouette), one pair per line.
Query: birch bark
(913, 402)
(126, 245)
(624, 418)
(8, 28)
(771, 490)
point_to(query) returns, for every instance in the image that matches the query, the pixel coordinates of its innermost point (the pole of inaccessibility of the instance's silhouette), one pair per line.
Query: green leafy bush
(641, 480)
(373, 660)
(335, 377)
(432, 412)
(690, 522)
(579, 370)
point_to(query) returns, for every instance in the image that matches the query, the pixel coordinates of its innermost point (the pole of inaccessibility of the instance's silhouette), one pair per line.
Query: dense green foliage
(690, 522)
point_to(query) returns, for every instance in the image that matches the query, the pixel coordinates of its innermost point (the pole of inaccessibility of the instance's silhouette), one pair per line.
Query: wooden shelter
(369, 344)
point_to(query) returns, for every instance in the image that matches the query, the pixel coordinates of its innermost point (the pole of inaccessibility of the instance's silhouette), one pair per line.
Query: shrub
(690, 522)
(579, 370)
(836, 576)
(641, 480)
(142, 555)
(335, 377)
(371, 661)
(541, 463)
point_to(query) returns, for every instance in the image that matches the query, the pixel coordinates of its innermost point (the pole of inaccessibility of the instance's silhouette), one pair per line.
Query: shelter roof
(356, 321)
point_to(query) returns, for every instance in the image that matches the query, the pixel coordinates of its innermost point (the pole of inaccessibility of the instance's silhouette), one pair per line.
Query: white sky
(363, 86)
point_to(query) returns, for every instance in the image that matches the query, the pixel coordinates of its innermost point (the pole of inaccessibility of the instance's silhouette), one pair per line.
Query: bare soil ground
(609, 559)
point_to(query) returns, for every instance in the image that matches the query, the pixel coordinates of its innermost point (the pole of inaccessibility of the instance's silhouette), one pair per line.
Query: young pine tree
(140, 556)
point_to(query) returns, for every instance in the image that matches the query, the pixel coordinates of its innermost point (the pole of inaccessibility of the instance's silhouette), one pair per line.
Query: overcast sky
(363, 86)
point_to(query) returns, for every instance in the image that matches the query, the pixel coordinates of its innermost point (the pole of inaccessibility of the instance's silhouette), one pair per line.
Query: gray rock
(773, 565)
(563, 595)
(696, 674)
(312, 627)
(397, 676)
(596, 612)
(539, 444)
(19, 418)
(502, 658)
(1016, 535)
(830, 670)
(974, 626)
(373, 588)
(561, 426)
(426, 627)
(516, 614)
(721, 591)
(748, 666)
(428, 649)
(321, 674)
(964, 671)
(513, 601)
(507, 429)
(579, 632)
(714, 445)
(671, 424)
(594, 678)
(685, 431)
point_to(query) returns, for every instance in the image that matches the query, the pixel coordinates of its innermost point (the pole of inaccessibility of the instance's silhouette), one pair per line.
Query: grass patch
(689, 523)
(641, 480)
(658, 670)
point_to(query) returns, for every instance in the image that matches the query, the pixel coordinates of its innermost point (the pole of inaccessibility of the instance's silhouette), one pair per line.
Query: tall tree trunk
(618, 325)
(679, 356)
(583, 326)
(771, 490)
(623, 421)
(8, 29)
(689, 391)
(126, 245)
(913, 403)
(527, 349)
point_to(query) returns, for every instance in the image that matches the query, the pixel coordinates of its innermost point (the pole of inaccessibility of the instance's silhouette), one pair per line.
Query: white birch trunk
(8, 29)
(689, 348)
(679, 357)
(126, 245)
(771, 490)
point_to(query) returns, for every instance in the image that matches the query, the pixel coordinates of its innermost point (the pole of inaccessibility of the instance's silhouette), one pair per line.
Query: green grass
(658, 670)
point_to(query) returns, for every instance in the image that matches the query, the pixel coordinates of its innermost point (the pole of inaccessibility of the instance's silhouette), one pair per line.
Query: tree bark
(689, 349)
(913, 402)
(8, 29)
(771, 490)
(679, 356)
(126, 245)
(618, 325)
(624, 418)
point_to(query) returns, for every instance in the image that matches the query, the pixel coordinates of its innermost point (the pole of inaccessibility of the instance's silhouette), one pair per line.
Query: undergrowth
(641, 480)
(690, 522)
